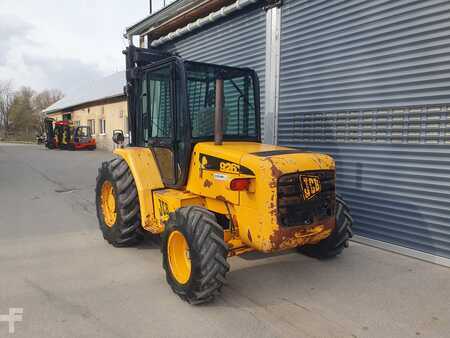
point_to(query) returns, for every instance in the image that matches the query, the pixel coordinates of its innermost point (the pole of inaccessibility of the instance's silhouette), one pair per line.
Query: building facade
(101, 105)
(367, 81)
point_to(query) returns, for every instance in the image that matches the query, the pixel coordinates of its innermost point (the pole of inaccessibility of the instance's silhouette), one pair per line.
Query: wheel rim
(179, 259)
(108, 203)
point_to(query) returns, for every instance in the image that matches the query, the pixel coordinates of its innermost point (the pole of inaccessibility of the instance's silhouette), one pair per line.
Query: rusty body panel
(286, 238)
(253, 214)
(209, 186)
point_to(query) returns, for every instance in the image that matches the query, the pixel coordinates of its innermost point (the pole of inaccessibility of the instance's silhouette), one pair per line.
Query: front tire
(338, 240)
(117, 202)
(194, 254)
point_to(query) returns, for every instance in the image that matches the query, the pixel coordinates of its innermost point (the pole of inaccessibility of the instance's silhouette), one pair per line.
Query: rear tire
(338, 240)
(207, 252)
(123, 226)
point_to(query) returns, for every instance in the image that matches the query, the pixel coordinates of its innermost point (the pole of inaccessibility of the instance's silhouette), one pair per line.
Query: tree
(6, 99)
(21, 115)
(42, 101)
(22, 118)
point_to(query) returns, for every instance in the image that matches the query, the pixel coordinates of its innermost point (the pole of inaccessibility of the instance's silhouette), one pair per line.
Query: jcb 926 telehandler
(197, 174)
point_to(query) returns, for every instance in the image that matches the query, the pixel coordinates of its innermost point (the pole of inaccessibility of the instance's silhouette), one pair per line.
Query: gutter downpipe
(212, 17)
(272, 83)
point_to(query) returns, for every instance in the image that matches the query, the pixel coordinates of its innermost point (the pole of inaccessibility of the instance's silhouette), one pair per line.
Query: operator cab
(175, 103)
(82, 134)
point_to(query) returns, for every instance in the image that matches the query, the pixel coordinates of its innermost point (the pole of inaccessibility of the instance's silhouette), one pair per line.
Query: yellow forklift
(196, 173)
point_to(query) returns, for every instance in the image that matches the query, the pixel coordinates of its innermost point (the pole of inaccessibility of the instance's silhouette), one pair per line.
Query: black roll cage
(141, 60)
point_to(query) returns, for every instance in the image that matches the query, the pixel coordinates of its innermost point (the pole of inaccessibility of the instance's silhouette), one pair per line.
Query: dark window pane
(156, 98)
(144, 103)
(239, 101)
(159, 83)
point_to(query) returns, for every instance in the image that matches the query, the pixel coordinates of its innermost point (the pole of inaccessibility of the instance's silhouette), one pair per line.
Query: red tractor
(63, 135)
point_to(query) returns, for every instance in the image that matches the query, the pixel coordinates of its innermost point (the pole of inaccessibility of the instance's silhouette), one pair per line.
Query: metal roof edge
(53, 111)
(163, 14)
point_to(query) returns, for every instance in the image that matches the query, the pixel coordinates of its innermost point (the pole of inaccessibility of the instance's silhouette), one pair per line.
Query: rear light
(239, 184)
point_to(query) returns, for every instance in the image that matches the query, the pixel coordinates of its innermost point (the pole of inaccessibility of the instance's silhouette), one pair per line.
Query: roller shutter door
(369, 83)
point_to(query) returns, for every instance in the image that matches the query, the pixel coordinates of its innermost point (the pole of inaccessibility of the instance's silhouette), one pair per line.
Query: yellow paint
(108, 204)
(167, 201)
(253, 213)
(218, 206)
(210, 183)
(179, 260)
(236, 246)
(146, 175)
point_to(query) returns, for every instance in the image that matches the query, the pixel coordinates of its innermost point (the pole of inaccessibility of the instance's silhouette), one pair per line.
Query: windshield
(239, 108)
(83, 132)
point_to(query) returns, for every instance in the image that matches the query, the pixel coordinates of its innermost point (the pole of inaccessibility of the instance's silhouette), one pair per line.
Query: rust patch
(287, 238)
(249, 235)
(152, 225)
(188, 15)
(220, 198)
(273, 206)
(273, 209)
(207, 183)
(276, 173)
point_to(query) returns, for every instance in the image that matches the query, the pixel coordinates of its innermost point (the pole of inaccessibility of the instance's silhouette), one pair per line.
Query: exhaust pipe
(218, 116)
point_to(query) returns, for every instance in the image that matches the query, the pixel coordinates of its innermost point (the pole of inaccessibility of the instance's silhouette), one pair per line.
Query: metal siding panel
(239, 41)
(369, 83)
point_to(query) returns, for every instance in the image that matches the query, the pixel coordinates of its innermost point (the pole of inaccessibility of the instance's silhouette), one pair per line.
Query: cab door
(158, 119)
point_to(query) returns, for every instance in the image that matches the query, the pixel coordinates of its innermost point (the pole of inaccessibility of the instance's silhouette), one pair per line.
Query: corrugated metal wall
(239, 41)
(369, 82)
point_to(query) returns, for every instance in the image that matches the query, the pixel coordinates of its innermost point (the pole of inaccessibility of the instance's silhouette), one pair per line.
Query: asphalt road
(55, 265)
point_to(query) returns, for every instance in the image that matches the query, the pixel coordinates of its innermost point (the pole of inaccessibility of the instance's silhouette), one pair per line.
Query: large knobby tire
(117, 202)
(338, 240)
(201, 275)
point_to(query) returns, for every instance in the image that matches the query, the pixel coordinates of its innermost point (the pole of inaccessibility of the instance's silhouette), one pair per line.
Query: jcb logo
(310, 186)
(163, 211)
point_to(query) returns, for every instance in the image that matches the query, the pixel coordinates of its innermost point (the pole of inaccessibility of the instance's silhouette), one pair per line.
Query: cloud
(27, 62)
(61, 73)
(13, 31)
(12, 26)
(49, 43)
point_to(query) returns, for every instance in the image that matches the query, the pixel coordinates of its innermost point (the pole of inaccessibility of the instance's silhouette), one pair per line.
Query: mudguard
(147, 177)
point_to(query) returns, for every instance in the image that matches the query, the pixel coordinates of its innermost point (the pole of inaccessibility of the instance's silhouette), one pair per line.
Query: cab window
(157, 119)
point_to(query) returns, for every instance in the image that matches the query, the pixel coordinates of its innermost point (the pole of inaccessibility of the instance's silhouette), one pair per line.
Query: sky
(54, 44)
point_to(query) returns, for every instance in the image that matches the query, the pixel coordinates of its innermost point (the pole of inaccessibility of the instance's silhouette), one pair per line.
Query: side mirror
(118, 137)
